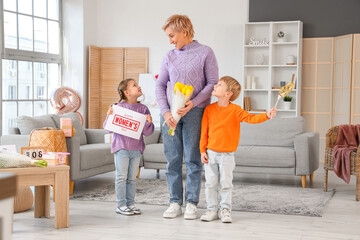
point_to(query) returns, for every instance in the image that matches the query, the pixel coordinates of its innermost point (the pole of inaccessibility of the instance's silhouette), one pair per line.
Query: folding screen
(107, 67)
(330, 83)
(342, 79)
(355, 94)
(317, 75)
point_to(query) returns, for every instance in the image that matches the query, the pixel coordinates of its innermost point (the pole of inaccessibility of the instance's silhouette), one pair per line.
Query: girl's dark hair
(121, 89)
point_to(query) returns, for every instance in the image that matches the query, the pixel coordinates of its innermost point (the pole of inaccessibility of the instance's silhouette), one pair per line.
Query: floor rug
(262, 198)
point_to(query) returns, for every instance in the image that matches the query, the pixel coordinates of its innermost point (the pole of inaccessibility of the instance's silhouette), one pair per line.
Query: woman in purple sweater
(190, 63)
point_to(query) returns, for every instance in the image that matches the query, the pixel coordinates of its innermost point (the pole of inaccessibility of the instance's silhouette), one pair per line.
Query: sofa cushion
(154, 153)
(26, 124)
(153, 138)
(95, 155)
(275, 132)
(75, 121)
(259, 156)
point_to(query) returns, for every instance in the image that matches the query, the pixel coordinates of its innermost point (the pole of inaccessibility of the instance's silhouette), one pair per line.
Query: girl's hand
(110, 111)
(170, 121)
(148, 118)
(204, 158)
(271, 113)
(188, 106)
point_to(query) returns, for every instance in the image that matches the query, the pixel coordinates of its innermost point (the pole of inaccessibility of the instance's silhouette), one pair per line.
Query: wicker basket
(53, 139)
(331, 138)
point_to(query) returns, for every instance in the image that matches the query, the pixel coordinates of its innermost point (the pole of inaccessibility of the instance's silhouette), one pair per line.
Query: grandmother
(189, 63)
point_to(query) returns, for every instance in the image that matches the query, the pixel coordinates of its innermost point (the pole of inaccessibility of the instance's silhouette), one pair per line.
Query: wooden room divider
(107, 67)
(330, 83)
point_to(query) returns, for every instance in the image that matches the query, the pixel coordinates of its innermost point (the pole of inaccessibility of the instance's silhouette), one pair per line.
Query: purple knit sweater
(195, 65)
(123, 142)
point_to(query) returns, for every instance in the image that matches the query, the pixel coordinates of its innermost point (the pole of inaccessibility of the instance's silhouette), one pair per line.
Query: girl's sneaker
(125, 211)
(209, 216)
(225, 216)
(135, 209)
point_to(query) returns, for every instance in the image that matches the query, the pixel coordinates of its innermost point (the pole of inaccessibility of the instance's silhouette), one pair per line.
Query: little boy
(220, 135)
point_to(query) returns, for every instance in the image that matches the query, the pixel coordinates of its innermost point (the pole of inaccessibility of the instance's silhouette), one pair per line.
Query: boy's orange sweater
(220, 127)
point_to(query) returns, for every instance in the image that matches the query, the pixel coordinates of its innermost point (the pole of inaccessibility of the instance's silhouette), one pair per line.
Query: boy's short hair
(179, 23)
(232, 86)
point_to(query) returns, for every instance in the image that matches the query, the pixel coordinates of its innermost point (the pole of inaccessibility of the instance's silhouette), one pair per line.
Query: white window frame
(29, 56)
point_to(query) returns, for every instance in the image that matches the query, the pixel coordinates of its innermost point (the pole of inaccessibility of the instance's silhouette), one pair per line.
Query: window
(12, 92)
(31, 59)
(40, 93)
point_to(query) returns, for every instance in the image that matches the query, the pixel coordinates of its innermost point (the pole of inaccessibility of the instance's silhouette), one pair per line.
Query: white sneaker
(124, 211)
(209, 216)
(173, 211)
(190, 211)
(135, 209)
(225, 216)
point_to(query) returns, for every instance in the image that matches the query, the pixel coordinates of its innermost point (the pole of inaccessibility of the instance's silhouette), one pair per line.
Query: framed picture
(33, 152)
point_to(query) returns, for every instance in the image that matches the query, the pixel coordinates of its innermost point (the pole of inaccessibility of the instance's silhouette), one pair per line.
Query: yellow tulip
(184, 89)
(188, 92)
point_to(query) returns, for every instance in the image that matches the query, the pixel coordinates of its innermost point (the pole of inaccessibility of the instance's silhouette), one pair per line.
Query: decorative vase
(287, 105)
(290, 60)
(260, 59)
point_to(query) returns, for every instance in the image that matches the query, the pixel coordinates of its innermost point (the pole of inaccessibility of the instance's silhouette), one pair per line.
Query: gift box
(67, 127)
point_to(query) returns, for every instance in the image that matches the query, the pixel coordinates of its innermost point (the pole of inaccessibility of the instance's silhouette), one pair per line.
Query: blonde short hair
(180, 23)
(232, 86)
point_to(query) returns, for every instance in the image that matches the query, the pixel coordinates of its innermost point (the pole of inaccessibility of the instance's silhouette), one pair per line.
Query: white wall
(137, 23)
(73, 43)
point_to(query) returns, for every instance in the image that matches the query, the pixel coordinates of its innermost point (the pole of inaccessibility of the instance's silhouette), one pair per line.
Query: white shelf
(276, 90)
(256, 112)
(255, 90)
(256, 66)
(285, 66)
(284, 43)
(285, 110)
(257, 46)
(274, 69)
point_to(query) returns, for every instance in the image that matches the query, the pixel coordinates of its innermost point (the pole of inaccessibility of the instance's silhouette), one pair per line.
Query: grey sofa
(277, 146)
(89, 154)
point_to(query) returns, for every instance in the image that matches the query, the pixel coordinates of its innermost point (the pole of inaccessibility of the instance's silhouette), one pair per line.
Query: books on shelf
(247, 104)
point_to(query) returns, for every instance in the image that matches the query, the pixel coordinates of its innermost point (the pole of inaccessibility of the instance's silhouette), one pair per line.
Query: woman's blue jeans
(127, 168)
(184, 145)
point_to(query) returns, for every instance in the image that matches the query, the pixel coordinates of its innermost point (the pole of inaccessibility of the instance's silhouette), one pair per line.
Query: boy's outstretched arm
(272, 113)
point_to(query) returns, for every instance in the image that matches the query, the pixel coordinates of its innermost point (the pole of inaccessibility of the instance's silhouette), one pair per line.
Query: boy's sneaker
(135, 209)
(225, 216)
(209, 216)
(173, 211)
(190, 211)
(124, 211)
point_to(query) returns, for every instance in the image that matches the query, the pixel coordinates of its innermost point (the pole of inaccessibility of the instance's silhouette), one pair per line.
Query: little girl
(128, 150)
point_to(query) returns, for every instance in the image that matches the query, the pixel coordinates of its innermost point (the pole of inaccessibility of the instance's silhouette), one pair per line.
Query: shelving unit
(274, 68)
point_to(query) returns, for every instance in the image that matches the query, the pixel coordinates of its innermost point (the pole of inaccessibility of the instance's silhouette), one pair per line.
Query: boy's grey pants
(220, 166)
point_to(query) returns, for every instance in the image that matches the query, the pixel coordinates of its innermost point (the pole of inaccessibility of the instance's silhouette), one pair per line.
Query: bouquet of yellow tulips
(181, 95)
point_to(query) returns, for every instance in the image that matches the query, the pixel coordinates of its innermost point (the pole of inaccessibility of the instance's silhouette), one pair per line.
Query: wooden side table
(42, 179)
(7, 193)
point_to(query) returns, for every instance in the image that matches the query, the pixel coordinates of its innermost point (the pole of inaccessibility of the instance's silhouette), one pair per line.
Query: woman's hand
(188, 106)
(204, 158)
(170, 121)
(272, 113)
(110, 111)
(148, 118)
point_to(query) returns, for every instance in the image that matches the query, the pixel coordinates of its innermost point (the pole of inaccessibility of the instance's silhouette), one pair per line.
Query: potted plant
(287, 102)
(281, 36)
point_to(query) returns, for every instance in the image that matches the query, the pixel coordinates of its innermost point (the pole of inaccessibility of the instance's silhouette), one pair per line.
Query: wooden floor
(98, 220)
